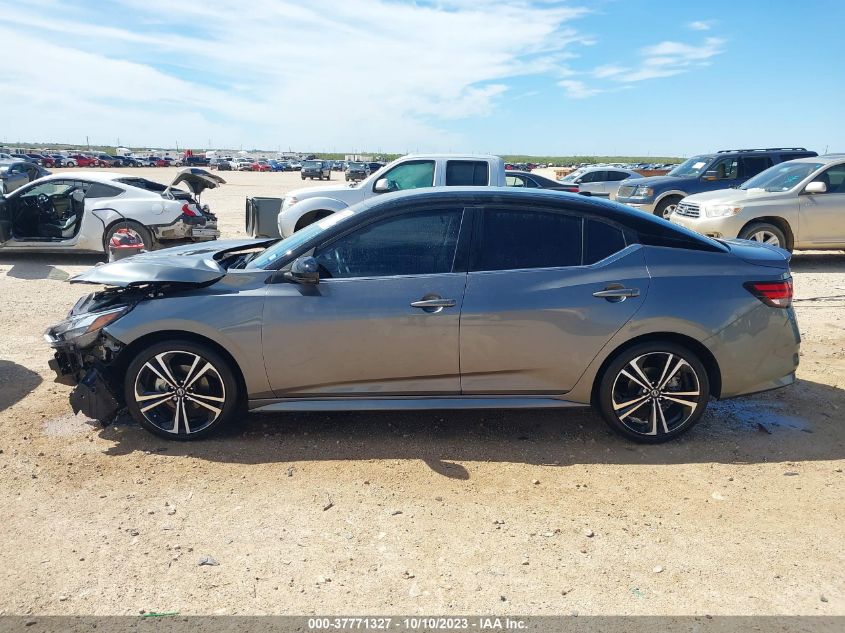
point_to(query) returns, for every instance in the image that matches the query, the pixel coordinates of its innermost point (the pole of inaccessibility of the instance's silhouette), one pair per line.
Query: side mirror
(817, 186)
(710, 175)
(78, 195)
(304, 270)
(382, 186)
(578, 181)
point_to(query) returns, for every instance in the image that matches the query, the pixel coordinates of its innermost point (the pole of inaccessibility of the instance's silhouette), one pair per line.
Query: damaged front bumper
(90, 371)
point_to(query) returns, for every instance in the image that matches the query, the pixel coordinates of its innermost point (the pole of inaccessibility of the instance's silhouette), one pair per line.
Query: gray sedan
(455, 298)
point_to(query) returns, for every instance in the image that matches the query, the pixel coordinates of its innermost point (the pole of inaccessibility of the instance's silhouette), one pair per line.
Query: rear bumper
(757, 352)
(195, 229)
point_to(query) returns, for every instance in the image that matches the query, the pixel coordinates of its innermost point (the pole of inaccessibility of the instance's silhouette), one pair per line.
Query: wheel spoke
(164, 398)
(151, 396)
(189, 376)
(205, 397)
(686, 403)
(681, 363)
(640, 373)
(666, 367)
(653, 417)
(773, 240)
(203, 404)
(623, 405)
(681, 393)
(177, 415)
(662, 417)
(201, 372)
(185, 415)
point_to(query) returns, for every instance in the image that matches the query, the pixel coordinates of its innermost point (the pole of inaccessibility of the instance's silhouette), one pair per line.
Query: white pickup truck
(302, 207)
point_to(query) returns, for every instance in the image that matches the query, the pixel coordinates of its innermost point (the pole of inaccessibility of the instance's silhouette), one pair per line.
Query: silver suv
(799, 204)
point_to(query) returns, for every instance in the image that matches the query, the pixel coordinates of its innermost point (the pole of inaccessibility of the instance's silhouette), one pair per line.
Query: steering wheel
(43, 201)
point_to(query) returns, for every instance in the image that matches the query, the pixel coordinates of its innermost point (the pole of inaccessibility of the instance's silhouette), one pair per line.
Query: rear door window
(513, 239)
(467, 173)
(753, 165)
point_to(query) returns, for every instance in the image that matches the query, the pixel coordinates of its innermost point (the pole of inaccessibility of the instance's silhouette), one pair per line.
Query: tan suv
(798, 204)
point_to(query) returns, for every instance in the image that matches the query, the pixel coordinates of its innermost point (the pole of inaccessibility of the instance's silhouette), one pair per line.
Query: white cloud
(576, 89)
(701, 25)
(664, 59)
(322, 75)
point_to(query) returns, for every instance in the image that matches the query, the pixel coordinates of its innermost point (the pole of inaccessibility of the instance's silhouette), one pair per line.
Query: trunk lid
(196, 179)
(759, 253)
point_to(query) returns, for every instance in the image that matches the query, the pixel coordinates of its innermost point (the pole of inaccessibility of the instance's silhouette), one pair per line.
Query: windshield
(781, 177)
(311, 163)
(692, 167)
(288, 245)
(570, 177)
(356, 165)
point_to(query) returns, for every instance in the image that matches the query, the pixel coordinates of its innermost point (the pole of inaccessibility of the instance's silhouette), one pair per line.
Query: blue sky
(541, 77)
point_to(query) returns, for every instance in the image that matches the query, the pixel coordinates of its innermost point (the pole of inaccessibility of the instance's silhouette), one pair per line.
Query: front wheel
(181, 390)
(666, 207)
(654, 392)
(764, 233)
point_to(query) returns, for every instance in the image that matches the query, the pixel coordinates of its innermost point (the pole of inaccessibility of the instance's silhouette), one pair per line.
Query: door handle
(433, 303)
(617, 293)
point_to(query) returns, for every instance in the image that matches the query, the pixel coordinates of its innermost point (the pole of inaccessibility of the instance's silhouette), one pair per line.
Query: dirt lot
(502, 512)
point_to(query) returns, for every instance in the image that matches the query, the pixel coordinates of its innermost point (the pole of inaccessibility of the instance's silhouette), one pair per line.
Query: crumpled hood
(193, 264)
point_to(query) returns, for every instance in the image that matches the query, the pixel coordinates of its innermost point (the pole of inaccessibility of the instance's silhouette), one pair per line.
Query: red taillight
(187, 210)
(777, 294)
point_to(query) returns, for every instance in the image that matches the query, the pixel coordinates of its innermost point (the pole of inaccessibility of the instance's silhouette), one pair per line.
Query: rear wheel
(128, 232)
(765, 233)
(654, 392)
(181, 390)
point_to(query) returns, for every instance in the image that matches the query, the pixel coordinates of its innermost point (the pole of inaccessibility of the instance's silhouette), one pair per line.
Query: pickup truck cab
(725, 169)
(302, 207)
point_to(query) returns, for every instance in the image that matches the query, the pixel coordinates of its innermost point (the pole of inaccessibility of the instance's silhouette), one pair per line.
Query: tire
(329, 177)
(303, 177)
(192, 373)
(141, 231)
(666, 206)
(653, 417)
(764, 232)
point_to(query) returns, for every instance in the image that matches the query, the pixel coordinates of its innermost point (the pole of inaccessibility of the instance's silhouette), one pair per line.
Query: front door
(822, 219)
(383, 320)
(532, 321)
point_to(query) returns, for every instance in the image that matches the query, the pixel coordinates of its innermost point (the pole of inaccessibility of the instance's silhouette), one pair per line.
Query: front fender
(665, 194)
(289, 217)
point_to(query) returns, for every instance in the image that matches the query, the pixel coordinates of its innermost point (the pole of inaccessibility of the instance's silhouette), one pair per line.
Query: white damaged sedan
(86, 212)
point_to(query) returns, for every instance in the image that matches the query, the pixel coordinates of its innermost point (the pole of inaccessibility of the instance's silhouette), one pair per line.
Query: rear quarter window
(601, 240)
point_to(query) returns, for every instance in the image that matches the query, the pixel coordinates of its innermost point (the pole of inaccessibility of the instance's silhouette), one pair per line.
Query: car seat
(66, 227)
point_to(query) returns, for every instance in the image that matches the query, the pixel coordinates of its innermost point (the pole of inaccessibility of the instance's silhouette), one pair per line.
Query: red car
(80, 160)
(261, 165)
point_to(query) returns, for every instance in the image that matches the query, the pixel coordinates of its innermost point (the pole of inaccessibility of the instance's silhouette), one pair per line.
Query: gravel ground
(434, 512)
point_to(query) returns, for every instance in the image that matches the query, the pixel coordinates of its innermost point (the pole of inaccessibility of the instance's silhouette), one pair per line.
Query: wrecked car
(442, 298)
(86, 212)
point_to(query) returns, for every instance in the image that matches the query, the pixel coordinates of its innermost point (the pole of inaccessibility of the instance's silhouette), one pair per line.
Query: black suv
(725, 169)
(316, 169)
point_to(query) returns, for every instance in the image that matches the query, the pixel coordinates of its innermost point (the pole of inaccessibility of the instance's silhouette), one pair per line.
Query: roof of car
(824, 159)
(93, 176)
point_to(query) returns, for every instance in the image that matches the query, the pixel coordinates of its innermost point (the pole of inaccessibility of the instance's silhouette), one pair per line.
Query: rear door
(822, 215)
(531, 320)
(753, 165)
(384, 319)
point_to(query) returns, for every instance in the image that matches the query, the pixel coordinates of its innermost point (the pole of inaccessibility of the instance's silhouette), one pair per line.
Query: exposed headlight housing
(643, 192)
(722, 210)
(82, 329)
